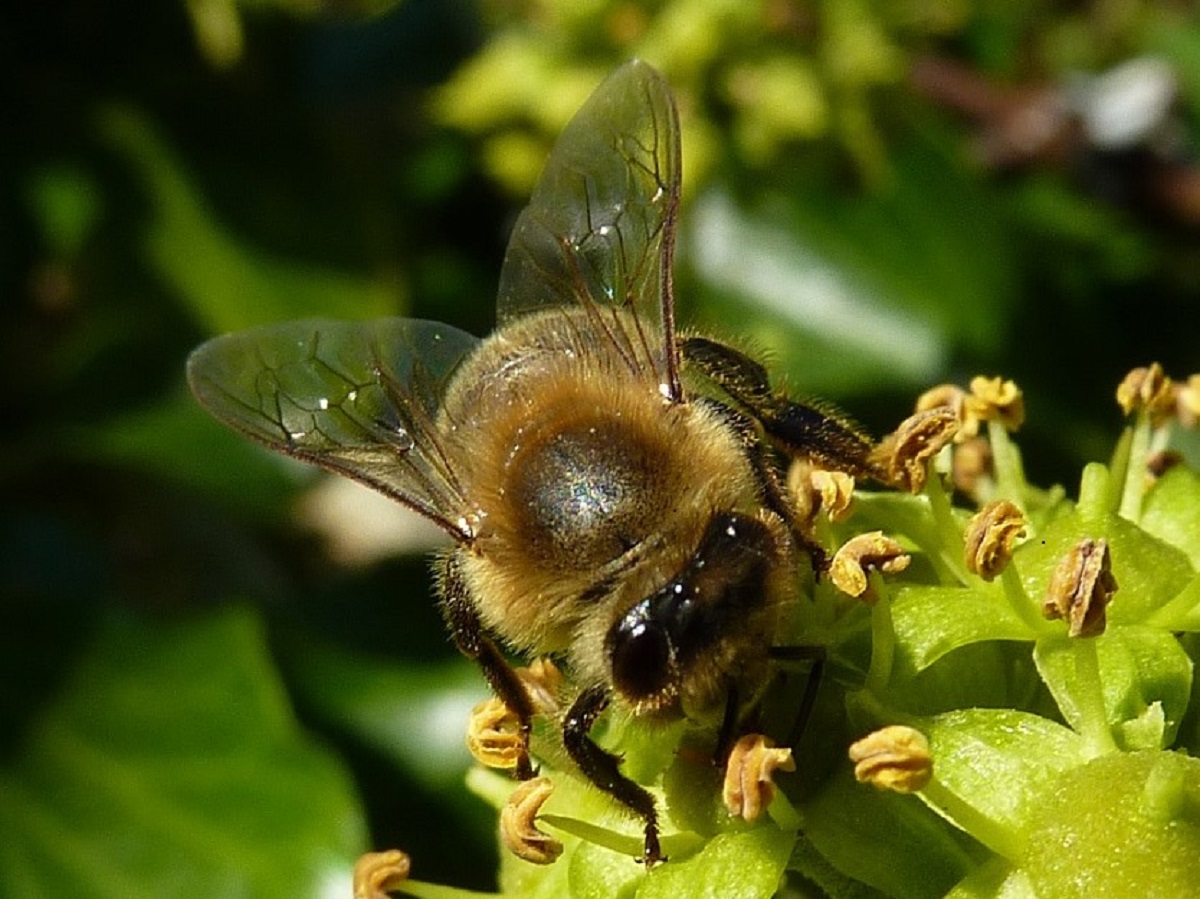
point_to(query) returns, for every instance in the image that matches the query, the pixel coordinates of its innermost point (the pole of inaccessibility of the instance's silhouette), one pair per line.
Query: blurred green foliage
(195, 698)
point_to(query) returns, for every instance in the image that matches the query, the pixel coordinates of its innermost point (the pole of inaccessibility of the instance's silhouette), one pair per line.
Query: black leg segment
(811, 430)
(603, 768)
(472, 641)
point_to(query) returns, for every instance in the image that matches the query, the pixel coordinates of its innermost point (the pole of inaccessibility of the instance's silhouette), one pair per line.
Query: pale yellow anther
(991, 535)
(378, 873)
(806, 503)
(1081, 588)
(814, 490)
(836, 489)
(1149, 390)
(750, 775)
(902, 457)
(543, 681)
(518, 823)
(950, 396)
(493, 735)
(861, 554)
(893, 758)
(993, 399)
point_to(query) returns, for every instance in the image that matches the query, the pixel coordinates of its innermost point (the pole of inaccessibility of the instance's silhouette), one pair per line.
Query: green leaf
(877, 288)
(995, 879)
(1183, 612)
(416, 714)
(65, 201)
(763, 279)
(586, 870)
(998, 760)
(1171, 511)
(1149, 571)
(170, 765)
(1094, 239)
(1141, 668)
(813, 866)
(225, 284)
(931, 621)
(889, 841)
(594, 872)
(602, 844)
(746, 865)
(990, 674)
(1126, 824)
(177, 441)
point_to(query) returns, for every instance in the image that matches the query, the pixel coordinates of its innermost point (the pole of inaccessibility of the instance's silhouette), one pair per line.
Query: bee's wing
(600, 228)
(358, 398)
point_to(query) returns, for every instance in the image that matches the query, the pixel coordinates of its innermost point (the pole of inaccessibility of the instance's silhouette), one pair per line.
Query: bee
(614, 490)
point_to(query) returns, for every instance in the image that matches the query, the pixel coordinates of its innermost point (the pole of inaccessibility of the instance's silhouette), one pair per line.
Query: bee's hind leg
(472, 641)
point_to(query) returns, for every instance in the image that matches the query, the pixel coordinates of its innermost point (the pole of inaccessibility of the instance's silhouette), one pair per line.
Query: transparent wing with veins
(599, 230)
(358, 398)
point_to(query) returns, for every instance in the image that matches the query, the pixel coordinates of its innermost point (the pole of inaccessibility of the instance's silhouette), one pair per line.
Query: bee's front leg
(603, 768)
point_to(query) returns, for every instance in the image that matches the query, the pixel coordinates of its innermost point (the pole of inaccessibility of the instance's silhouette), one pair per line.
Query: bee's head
(680, 647)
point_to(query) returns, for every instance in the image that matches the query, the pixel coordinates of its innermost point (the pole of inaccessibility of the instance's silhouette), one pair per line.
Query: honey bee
(614, 489)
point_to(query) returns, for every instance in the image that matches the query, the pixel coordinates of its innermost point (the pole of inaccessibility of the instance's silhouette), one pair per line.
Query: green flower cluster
(1023, 670)
(778, 72)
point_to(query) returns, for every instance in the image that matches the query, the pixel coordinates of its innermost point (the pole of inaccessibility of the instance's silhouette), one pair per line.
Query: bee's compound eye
(641, 656)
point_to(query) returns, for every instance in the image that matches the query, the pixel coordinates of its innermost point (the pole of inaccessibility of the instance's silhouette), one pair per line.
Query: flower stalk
(1001, 840)
(883, 638)
(1094, 727)
(949, 551)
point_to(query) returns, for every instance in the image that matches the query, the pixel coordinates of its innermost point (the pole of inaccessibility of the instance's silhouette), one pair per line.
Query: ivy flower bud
(858, 555)
(1147, 389)
(518, 823)
(893, 758)
(750, 775)
(1081, 588)
(378, 873)
(902, 458)
(991, 536)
